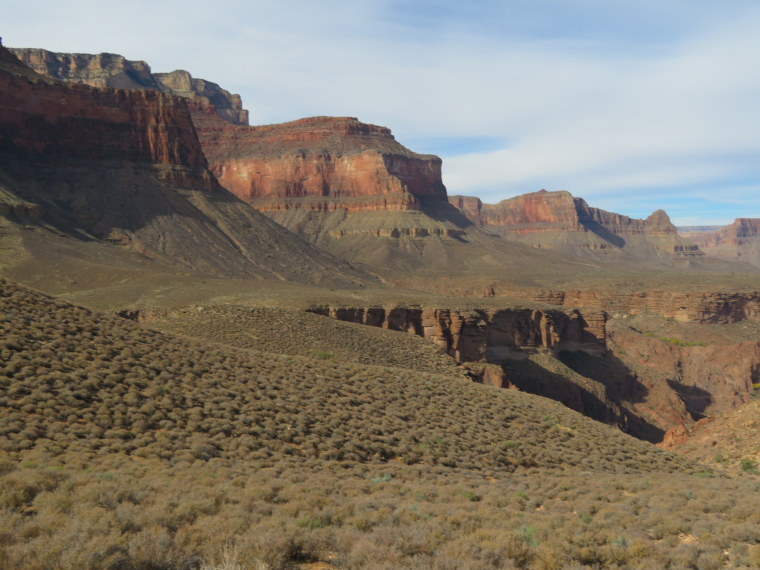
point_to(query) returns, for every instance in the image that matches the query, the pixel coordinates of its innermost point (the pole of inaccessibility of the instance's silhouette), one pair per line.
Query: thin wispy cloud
(610, 100)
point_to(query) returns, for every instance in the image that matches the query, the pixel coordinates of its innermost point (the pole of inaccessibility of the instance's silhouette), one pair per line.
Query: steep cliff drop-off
(113, 70)
(645, 374)
(126, 167)
(739, 241)
(557, 220)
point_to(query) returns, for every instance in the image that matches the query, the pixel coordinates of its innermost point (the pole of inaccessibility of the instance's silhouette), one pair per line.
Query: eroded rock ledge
(486, 335)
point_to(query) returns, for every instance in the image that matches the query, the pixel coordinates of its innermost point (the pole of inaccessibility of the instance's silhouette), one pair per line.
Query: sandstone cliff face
(321, 163)
(51, 120)
(486, 335)
(558, 220)
(126, 167)
(604, 368)
(739, 241)
(112, 70)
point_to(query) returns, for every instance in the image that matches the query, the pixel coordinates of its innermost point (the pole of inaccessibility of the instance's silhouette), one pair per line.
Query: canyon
(165, 166)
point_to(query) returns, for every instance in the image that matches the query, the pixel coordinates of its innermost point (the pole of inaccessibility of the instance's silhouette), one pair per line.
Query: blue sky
(632, 105)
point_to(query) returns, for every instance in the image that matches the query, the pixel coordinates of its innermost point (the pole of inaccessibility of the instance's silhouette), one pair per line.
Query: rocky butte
(320, 163)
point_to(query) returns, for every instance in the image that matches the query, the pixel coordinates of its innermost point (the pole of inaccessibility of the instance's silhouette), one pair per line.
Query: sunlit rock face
(319, 163)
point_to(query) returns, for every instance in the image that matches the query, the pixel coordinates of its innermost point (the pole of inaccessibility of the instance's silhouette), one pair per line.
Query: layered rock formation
(557, 220)
(112, 70)
(126, 166)
(486, 335)
(49, 120)
(683, 306)
(739, 241)
(320, 163)
(606, 368)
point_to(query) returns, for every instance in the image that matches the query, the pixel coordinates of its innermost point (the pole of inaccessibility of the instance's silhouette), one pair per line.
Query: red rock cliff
(556, 211)
(320, 163)
(47, 119)
(557, 219)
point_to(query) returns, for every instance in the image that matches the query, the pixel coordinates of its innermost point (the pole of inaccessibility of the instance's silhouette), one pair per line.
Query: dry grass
(126, 448)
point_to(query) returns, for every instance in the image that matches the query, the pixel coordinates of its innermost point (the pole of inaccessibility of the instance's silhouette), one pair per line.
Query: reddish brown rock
(486, 335)
(558, 220)
(320, 163)
(113, 70)
(688, 307)
(47, 119)
(125, 167)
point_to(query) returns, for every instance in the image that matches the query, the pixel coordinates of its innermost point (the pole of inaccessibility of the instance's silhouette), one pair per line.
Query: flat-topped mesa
(553, 219)
(319, 163)
(113, 70)
(48, 119)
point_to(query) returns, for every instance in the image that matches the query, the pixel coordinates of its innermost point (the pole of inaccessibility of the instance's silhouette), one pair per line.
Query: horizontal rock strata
(113, 70)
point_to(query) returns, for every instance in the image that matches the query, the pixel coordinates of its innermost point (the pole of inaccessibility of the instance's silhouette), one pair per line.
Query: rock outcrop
(125, 166)
(606, 368)
(739, 241)
(320, 163)
(559, 220)
(113, 70)
(486, 335)
(44, 119)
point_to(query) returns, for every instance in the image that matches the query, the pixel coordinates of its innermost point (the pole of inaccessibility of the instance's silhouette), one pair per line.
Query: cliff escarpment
(682, 306)
(49, 120)
(320, 163)
(557, 220)
(645, 374)
(113, 70)
(125, 167)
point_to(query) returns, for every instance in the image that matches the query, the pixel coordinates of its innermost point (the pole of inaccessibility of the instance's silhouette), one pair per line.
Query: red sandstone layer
(47, 119)
(553, 219)
(321, 163)
(556, 211)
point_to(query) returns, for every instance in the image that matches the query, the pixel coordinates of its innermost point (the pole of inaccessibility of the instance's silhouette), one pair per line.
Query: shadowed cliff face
(50, 120)
(646, 382)
(113, 70)
(126, 167)
(557, 220)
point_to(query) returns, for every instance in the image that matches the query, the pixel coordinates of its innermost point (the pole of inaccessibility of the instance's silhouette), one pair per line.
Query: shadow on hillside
(604, 233)
(445, 212)
(621, 385)
(695, 399)
(590, 400)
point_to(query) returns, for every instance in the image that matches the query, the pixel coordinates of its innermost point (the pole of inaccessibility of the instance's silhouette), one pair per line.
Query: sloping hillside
(122, 447)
